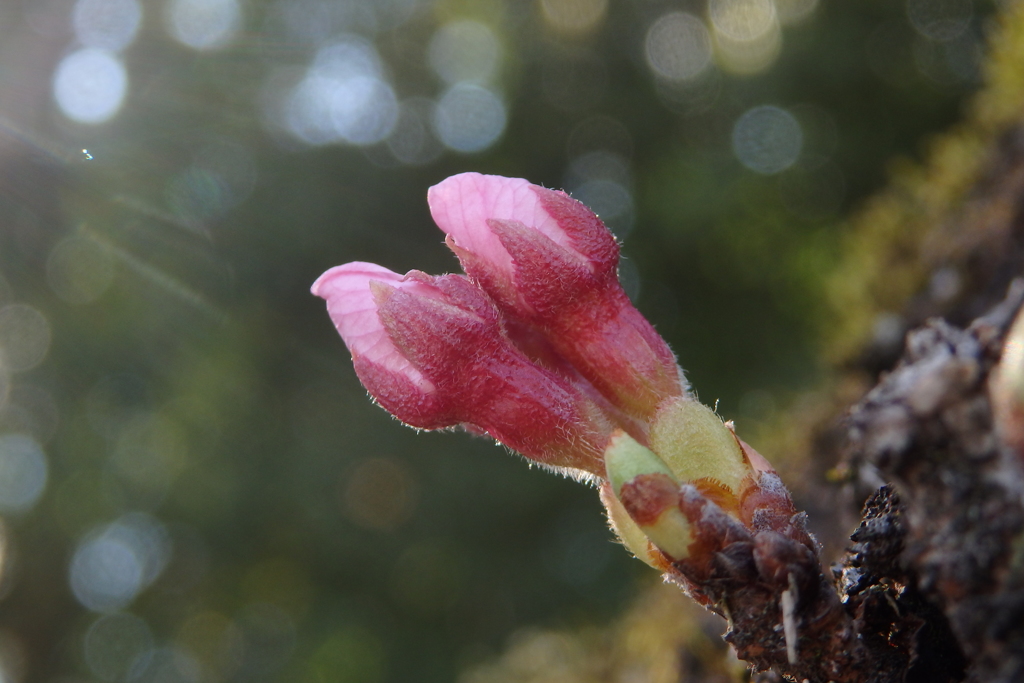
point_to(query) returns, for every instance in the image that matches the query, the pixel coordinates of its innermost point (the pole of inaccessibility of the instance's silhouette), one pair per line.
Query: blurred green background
(194, 487)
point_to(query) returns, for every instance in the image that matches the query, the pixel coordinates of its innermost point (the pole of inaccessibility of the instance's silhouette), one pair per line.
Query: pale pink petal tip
(346, 275)
(353, 310)
(462, 205)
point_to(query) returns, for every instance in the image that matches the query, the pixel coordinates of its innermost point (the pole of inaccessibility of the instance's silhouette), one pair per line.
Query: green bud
(625, 458)
(692, 440)
(647, 492)
(631, 535)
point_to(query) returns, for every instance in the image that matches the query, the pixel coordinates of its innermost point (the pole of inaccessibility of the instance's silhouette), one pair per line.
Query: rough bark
(942, 544)
(932, 587)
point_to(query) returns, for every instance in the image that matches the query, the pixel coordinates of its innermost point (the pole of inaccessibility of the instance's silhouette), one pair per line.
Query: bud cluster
(538, 347)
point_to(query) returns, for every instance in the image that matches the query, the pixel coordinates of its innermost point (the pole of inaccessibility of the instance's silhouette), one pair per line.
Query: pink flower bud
(434, 353)
(391, 379)
(551, 264)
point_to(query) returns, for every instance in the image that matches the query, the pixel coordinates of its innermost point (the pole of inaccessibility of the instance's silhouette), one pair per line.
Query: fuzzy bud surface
(433, 352)
(551, 265)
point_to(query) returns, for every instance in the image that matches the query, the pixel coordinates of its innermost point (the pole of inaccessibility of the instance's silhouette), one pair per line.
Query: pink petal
(351, 305)
(463, 204)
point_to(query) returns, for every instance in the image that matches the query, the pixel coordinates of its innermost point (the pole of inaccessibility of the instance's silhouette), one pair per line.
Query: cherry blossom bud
(433, 352)
(388, 375)
(650, 495)
(695, 490)
(551, 264)
(698, 447)
(681, 520)
(538, 347)
(629, 533)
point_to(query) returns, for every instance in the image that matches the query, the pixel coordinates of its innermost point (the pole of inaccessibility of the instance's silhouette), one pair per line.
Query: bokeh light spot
(115, 562)
(216, 641)
(469, 118)
(203, 24)
(747, 34)
(379, 493)
(599, 164)
(105, 574)
(347, 57)
(197, 195)
(412, 141)
(678, 46)
(746, 57)
(113, 643)
(742, 20)
(89, 85)
(767, 139)
(364, 110)
(464, 50)
(361, 110)
(107, 24)
(29, 409)
(573, 16)
(24, 337)
(344, 97)
(939, 19)
(23, 472)
(951, 62)
(79, 270)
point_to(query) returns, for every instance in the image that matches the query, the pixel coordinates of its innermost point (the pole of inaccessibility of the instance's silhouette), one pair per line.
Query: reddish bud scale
(540, 350)
(718, 493)
(607, 339)
(585, 311)
(647, 496)
(777, 557)
(401, 397)
(458, 343)
(585, 231)
(715, 530)
(592, 239)
(766, 504)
